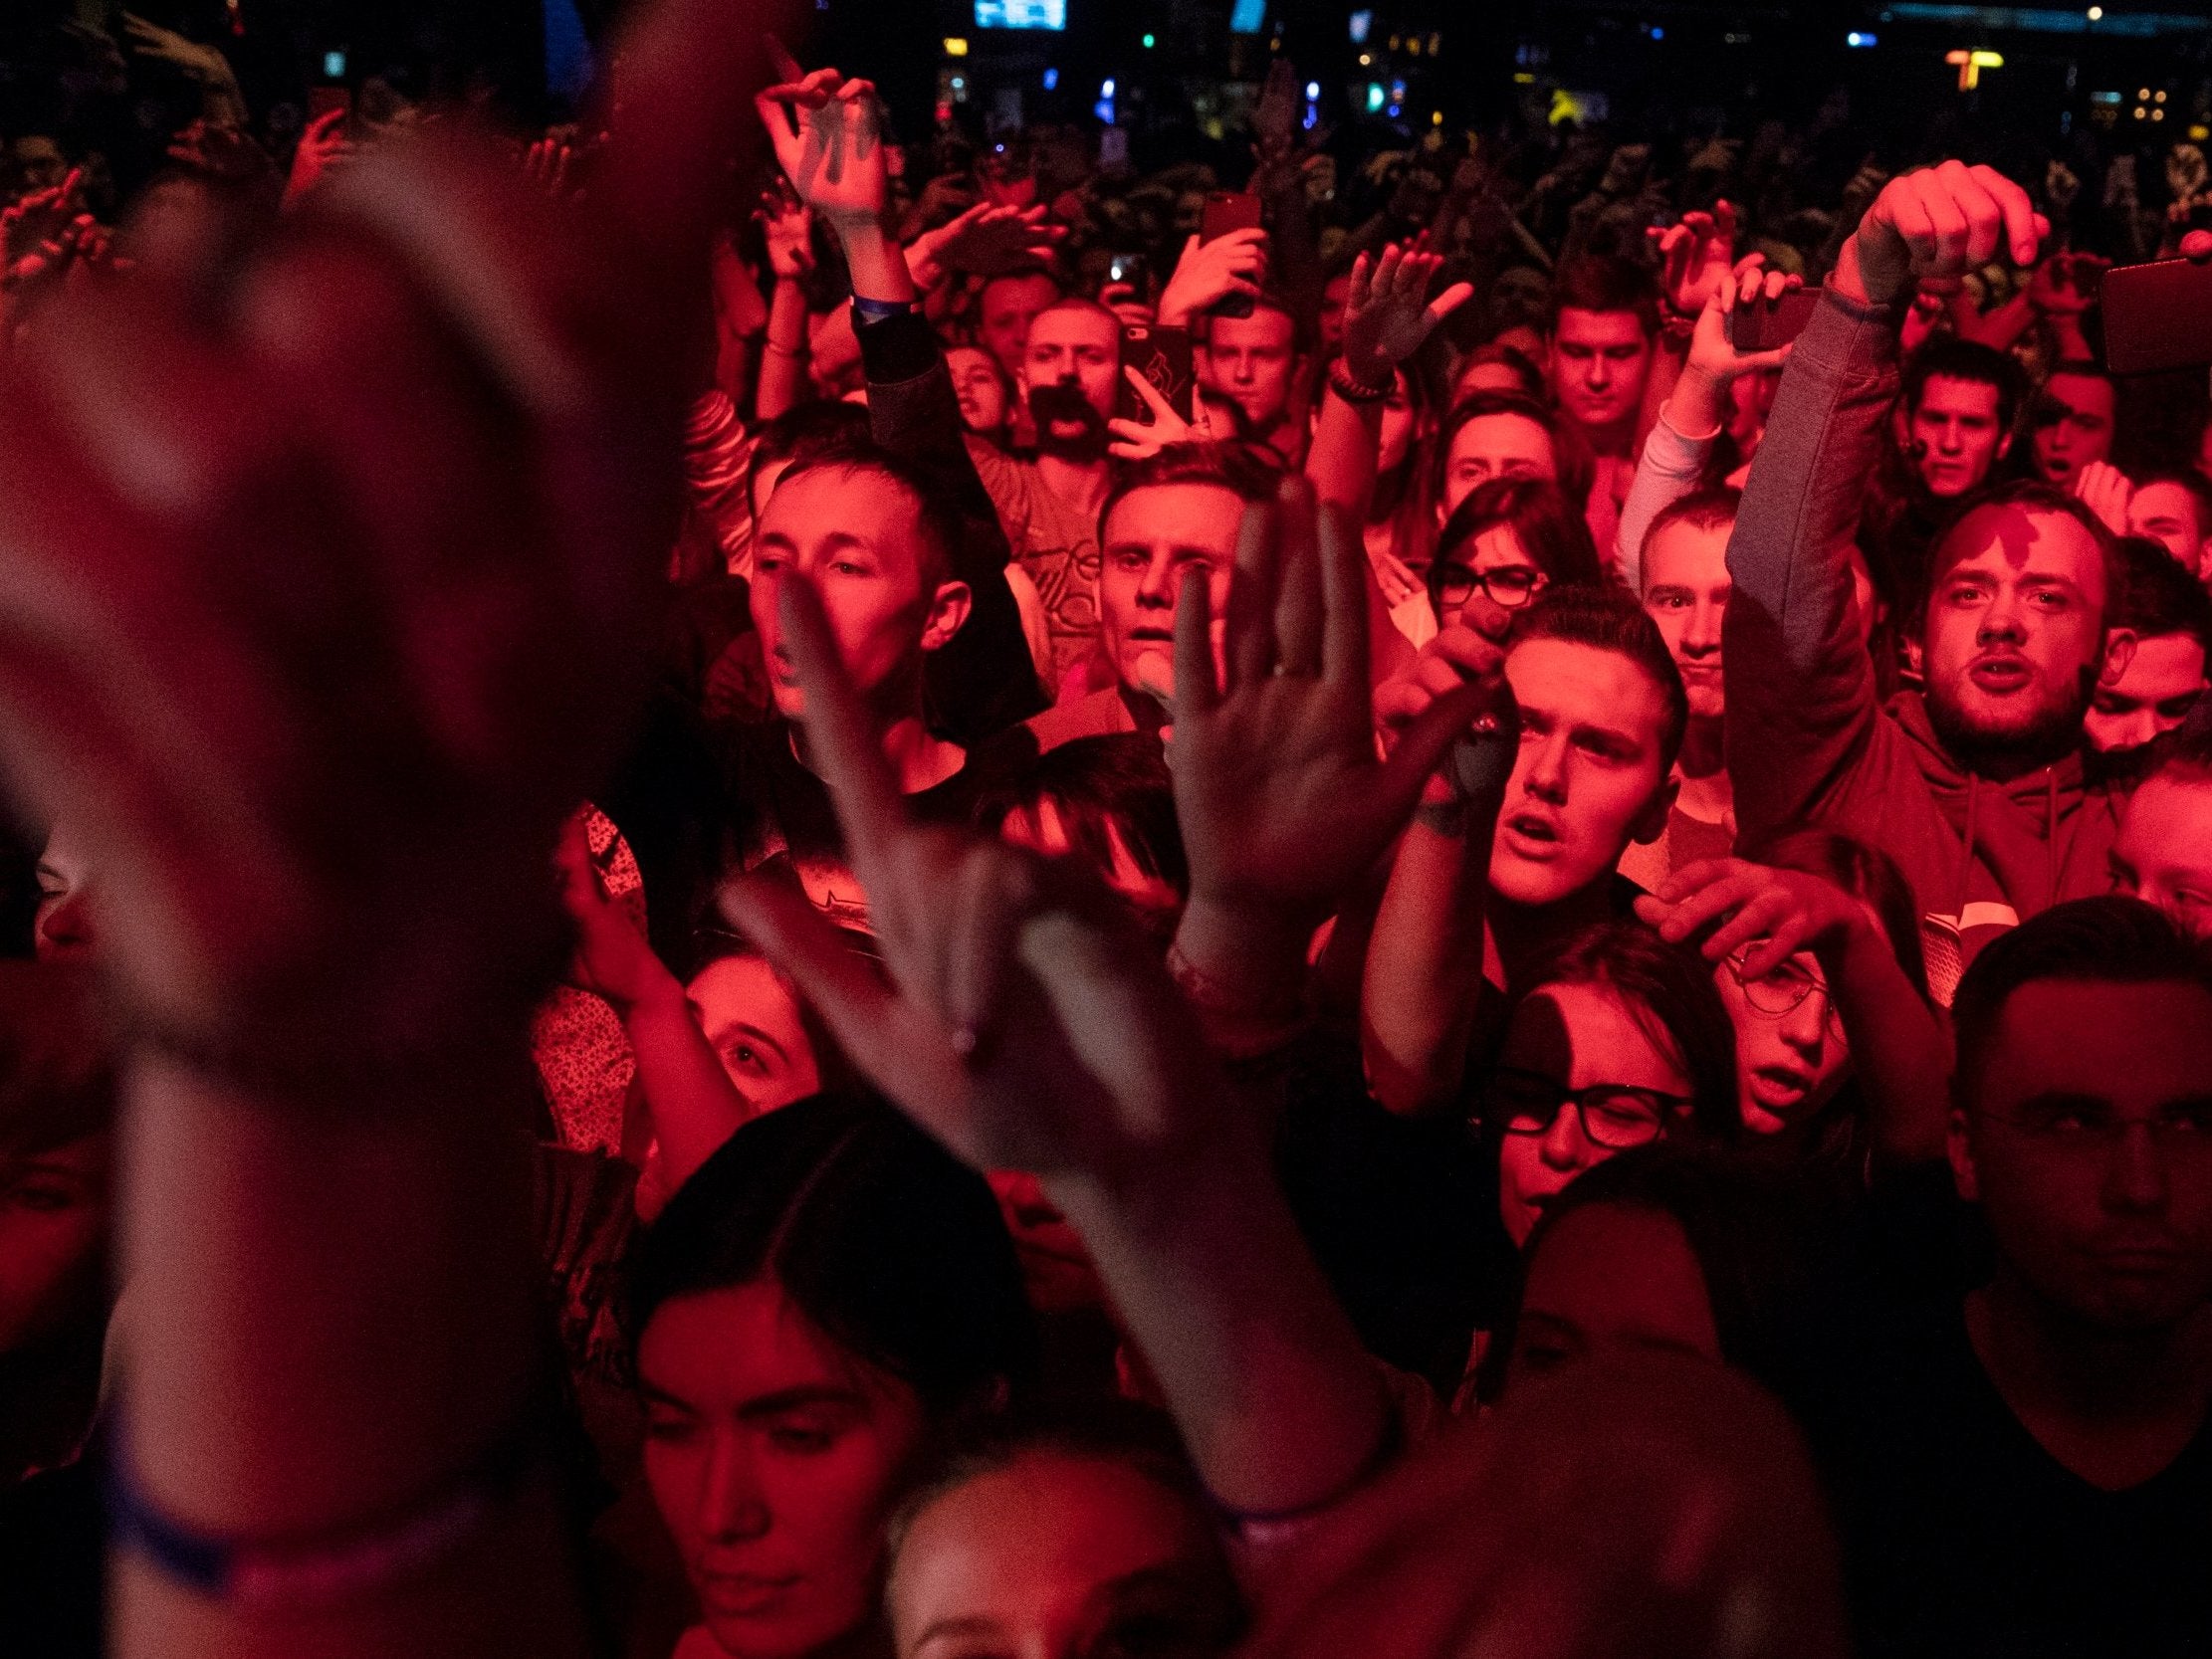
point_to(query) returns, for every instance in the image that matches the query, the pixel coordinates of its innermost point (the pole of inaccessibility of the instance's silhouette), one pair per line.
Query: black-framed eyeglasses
(1508, 586)
(1615, 1115)
(1783, 988)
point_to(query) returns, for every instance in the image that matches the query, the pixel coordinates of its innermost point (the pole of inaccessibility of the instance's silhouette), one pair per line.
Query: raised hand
(787, 224)
(1210, 272)
(224, 154)
(326, 577)
(2065, 285)
(1938, 223)
(828, 134)
(1774, 913)
(2105, 490)
(1387, 314)
(1696, 258)
(1141, 440)
(220, 95)
(1283, 800)
(1022, 1024)
(988, 240)
(323, 148)
(1698, 401)
(611, 957)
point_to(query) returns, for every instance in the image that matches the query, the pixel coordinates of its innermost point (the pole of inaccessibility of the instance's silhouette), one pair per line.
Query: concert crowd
(799, 885)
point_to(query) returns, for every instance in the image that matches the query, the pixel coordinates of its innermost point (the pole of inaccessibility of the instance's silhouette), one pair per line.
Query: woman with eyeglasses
(1815, 950)
(1621, 1041)
(1505, 545)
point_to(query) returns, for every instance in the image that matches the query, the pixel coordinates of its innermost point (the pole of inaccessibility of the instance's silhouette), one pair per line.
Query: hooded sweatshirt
(1808, 740)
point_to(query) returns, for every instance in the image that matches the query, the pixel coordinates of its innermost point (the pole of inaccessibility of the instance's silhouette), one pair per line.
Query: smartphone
(1225, 211)
(1760, 326)
(2158, 315)
(1165, 362)
(1113, 146)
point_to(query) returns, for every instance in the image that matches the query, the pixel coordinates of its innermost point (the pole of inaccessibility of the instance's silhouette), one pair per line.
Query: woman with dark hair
(1815, 950)
(1507, 542)
(830, 1290)
(1620, 1041)
(1063, 1536)
(1662, 1248)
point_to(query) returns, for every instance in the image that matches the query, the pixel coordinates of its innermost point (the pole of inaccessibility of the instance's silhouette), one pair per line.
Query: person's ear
(949, 609)
(2119, 651)
(1958, 1146)
(1650, 823)
(2004, 445)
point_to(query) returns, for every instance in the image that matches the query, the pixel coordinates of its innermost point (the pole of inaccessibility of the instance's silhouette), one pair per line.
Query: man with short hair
(1249, 367)
(2013, 1435)
(1976, 788)
(1177, 509)
(1492, 435)
(2072, 422)
(1006, 308)
(1518, 837)
(2163, 854)
(2175, 508)
(1604, 322)
(874, 538)
(1685, 588)
(1960, 399)
(1604, 318)
(2152, 681)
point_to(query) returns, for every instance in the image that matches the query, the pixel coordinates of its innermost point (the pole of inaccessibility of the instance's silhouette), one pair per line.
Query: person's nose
(1546, 776)
(1702, 638)
(2132, 730)
(1599, 376)
(1563, 1146)
(1156, 590)
(1244, 371)
(65, 927)
(1805, 1027)
(2003, 620)
(731, 1506)
(2136, 1172)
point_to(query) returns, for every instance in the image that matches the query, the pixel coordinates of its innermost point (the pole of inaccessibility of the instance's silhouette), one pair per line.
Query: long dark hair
(887, 1244)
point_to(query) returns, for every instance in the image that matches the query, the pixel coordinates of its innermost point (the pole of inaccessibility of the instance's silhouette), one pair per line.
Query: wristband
(1352, 391)
(308, 1569)
(875, 311)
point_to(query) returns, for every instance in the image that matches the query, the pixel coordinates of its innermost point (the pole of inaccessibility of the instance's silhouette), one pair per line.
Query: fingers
(1160, 406)
(1344, 579)
(2024, 227)
(1450, 301)
(1251, 596)
(840, 985)
(668, 159)
(1299, 607)
(1421, 743)
(842, 743)
(1196, 688)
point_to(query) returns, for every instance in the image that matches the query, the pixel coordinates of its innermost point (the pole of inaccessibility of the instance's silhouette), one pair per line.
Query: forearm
(1278, 1403)
(693, 1105)
(784, 375)
(1242, 972)
(330, 1314)
(1347, 440)
(1799, 687)
(1900, 1049)
(1424, 979)
(1673, 461)
(875, 261)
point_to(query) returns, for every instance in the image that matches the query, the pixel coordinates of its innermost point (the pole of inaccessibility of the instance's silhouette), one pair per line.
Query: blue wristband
(875, 311)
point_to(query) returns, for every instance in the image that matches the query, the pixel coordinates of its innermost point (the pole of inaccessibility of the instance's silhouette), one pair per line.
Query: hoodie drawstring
(1966, 866)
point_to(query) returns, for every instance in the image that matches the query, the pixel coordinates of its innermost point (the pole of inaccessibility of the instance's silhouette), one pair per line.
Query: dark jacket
(1808, 740)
